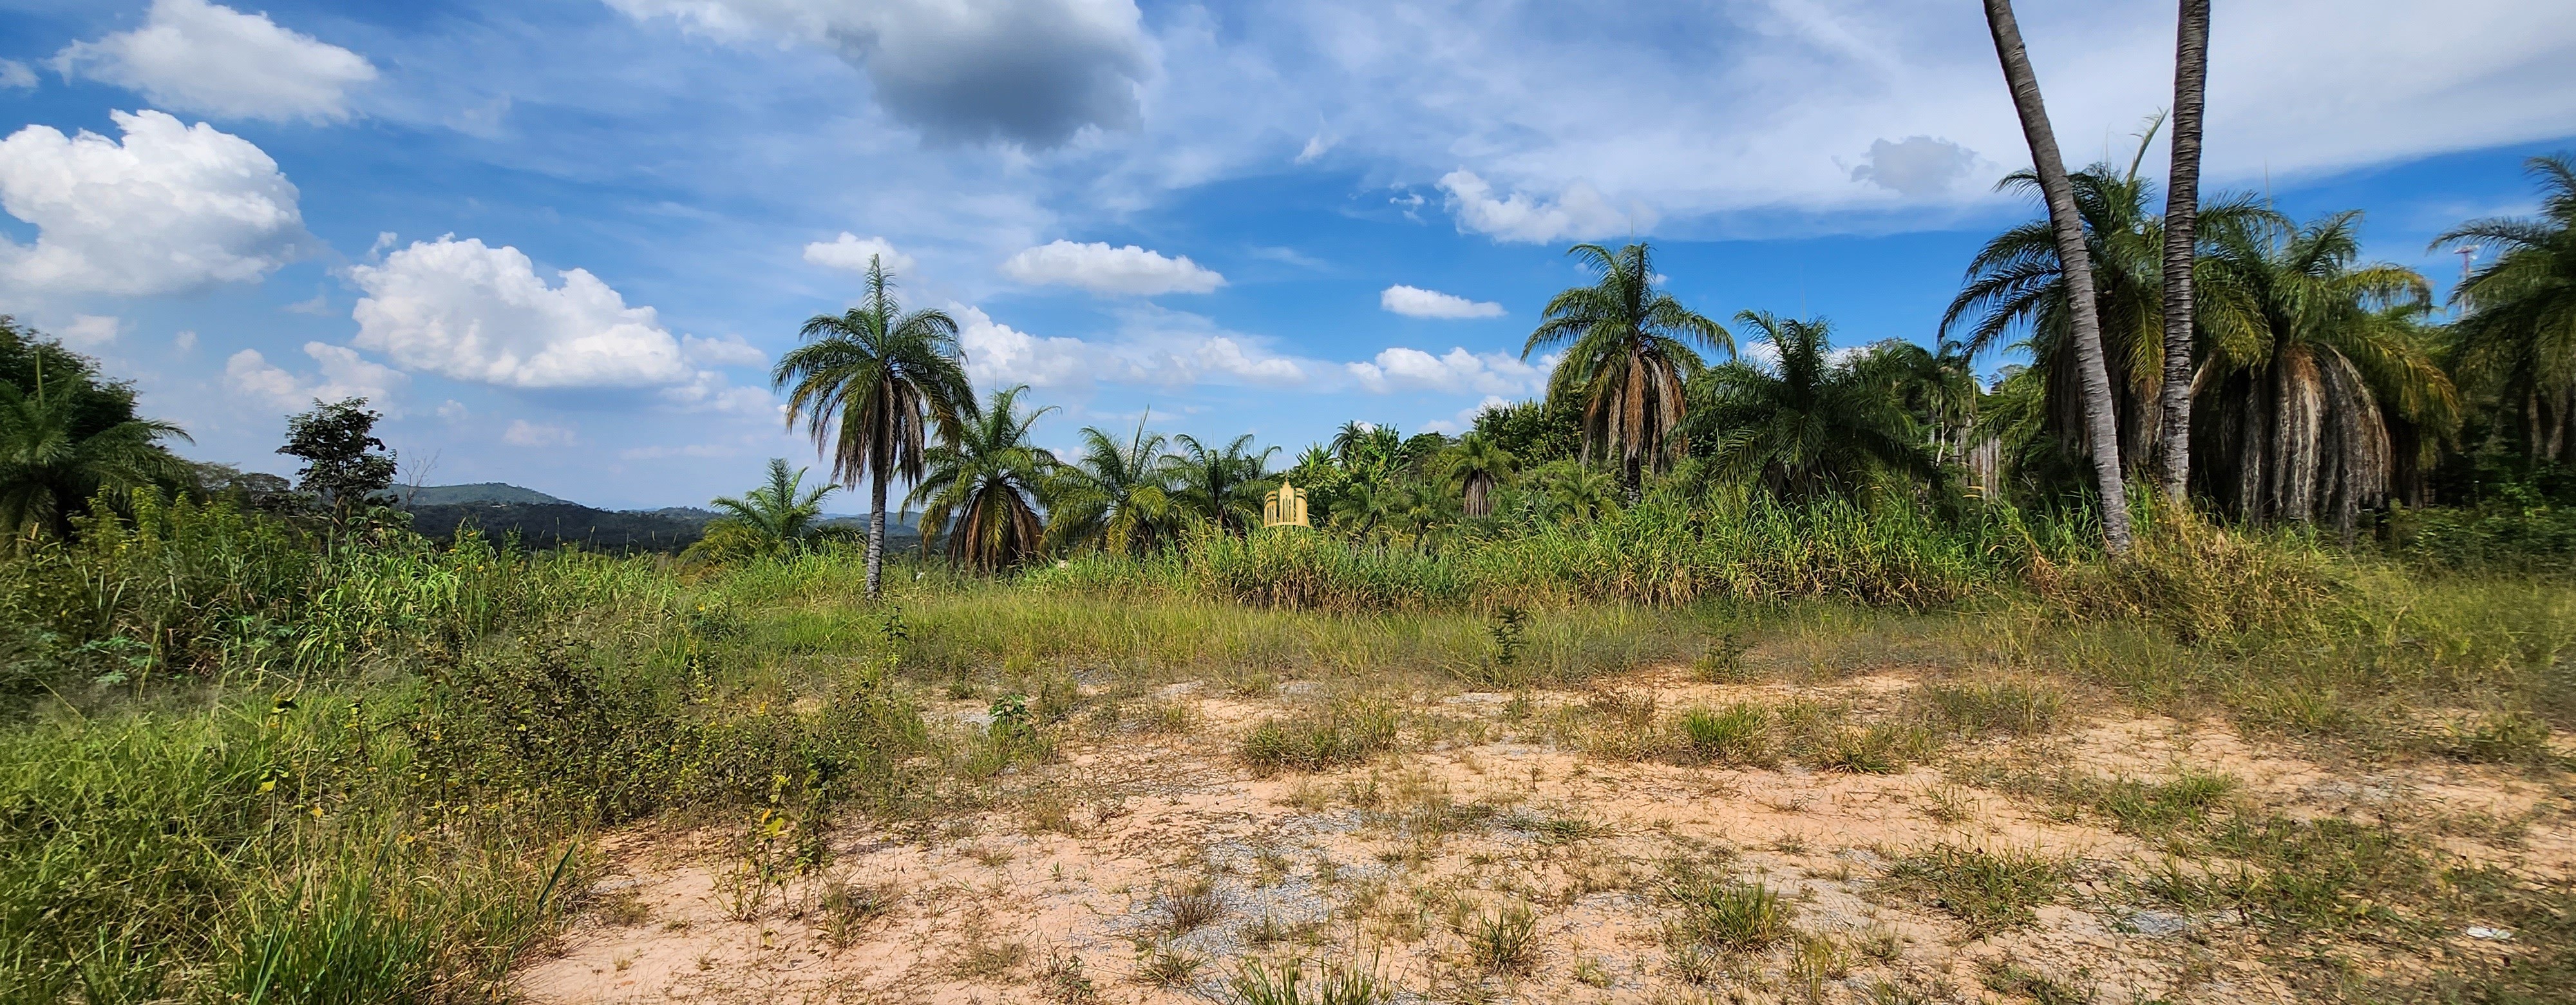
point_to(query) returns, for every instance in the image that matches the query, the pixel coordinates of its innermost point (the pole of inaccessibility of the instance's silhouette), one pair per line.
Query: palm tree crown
(873, 384)
(983, 490)
(1811, 425)
(2517, 343)
(1474, 467)
(781, 511)
(1118, 495)
(1628, 349)
(1224, 487)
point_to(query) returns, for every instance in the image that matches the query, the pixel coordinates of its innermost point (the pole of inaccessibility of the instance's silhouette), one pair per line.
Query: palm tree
(2182, 205)
(1938, 389)
(1811, 426)
(1578, 493)
(781, 512)
(1224, 487)
(1118, 495)
(49, 468)
(889, 380)
(2304, 357)
(2100, 422)
(2517, 341)
(1474, 467)
(1628, 351)
(982, 491)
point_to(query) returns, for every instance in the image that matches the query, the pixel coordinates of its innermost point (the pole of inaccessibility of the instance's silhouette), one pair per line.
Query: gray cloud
(1031, 72)
(1916, 166)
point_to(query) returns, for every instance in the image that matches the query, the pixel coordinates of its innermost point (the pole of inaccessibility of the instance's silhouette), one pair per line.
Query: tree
(2182, 205)
(1224, 487)
(1628, 350)
(984, 490)
(2517, 339)
(781, 513)
(1809, 426)
(345, 465)
(1572, 493)
(2306, 350)
(51, 465)
(1474, 467)
(2100, 422)
(1117, 495)
(874, 383)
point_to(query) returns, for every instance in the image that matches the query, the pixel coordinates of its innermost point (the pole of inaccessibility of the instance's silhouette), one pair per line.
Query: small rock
(2155, 923)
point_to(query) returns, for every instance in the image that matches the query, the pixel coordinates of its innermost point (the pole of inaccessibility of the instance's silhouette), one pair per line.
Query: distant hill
(541, 521)
(479, 492)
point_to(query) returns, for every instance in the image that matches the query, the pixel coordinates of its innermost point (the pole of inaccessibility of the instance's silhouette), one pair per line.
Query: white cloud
(1579, 212)
(730, 350)
(1401, 368)
(477, 313)
(185, 341)
(15, 75)
(1103, 269)
(343, 374)
(523, 433)
(853, 252)
(1030, 72)
(451, 411)
(1316, 147)
(1415, 302)
(1466, 417)
(708, 391)
(319, 305)
(998, 355)
(1918, 166)
(200, 57)
(91, 331)
(663, 452)
(1152, 346)
(170, 208)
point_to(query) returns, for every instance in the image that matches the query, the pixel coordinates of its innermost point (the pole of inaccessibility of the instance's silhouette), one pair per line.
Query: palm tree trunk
(876, 527)
(2100, 422)
(2182, 218)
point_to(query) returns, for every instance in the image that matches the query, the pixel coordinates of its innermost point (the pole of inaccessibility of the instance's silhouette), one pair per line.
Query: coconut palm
(1809, 425)
(1116, 495)
(2517, 341)
(1473, 467)
(1224, 487)
(50, 467)
(1577, 493)
(2304, 356)
(2182, 206)
(874, 384)
(781, 512)
(982, 491)
(2084, 326)
(1628, 349)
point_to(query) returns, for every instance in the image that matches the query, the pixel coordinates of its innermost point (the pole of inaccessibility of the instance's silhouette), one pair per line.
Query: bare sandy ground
(1069, 888)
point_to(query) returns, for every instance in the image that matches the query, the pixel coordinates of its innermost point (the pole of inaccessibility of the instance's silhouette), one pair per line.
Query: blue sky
(559, 241)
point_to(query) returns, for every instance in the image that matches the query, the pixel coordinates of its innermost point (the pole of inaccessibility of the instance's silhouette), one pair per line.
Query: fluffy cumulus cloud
(1154, 347)
(1458, 371)
(92, 331)
(1101, 268)
(169, 208)
(477, 313)
(1917, 166)
(1415, 302)
(339, 373)
(200, 57)
(1030, 72)
(853, 252)
(1578, 213)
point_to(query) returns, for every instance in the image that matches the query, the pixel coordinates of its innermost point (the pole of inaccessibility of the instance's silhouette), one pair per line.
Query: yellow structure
(1285, 507)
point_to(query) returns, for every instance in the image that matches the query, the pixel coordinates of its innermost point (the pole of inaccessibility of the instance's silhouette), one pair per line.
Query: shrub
(1346, 732)
(1740, 734)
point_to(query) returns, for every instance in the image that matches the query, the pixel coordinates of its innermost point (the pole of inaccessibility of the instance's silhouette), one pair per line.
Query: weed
(1345, 732)
(1989, 890)
(1723, 661)
(985, 960)
(1256, 984)
(1508, 630)
(1063, 980)
(1589, 972)
(1166, 967)
(848, 908)
(1192, 906)
(1726, 914)
(2496, 739)
(1991, 708)
(1881, 748)
(2005, 977)
(1503, 940)
(1740, 734)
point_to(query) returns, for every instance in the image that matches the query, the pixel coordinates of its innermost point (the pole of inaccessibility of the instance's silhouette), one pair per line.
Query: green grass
(1991, 890)
(1725, 914)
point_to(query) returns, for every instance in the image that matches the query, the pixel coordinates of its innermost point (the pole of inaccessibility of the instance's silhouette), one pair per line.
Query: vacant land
(1844, 812)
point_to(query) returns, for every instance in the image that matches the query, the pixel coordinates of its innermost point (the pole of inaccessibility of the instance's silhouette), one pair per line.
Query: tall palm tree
(781, 511)
(1938, 389)
(49, 467)
(1628, 350)
(2304, 358)
(873, 383)
(1811, 426)
(2182, 205)
(2100, 422)
(1474, 467)
(983, 490)
(2517, 340)
(1224, 487)
(1118, 495)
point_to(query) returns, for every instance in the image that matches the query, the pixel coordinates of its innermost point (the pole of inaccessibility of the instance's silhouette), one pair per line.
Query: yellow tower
(1285, 507)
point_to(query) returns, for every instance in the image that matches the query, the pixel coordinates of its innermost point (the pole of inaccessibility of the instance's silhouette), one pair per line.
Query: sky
(559, 243)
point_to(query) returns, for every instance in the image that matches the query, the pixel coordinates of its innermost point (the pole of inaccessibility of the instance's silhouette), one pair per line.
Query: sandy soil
(1067, 891)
